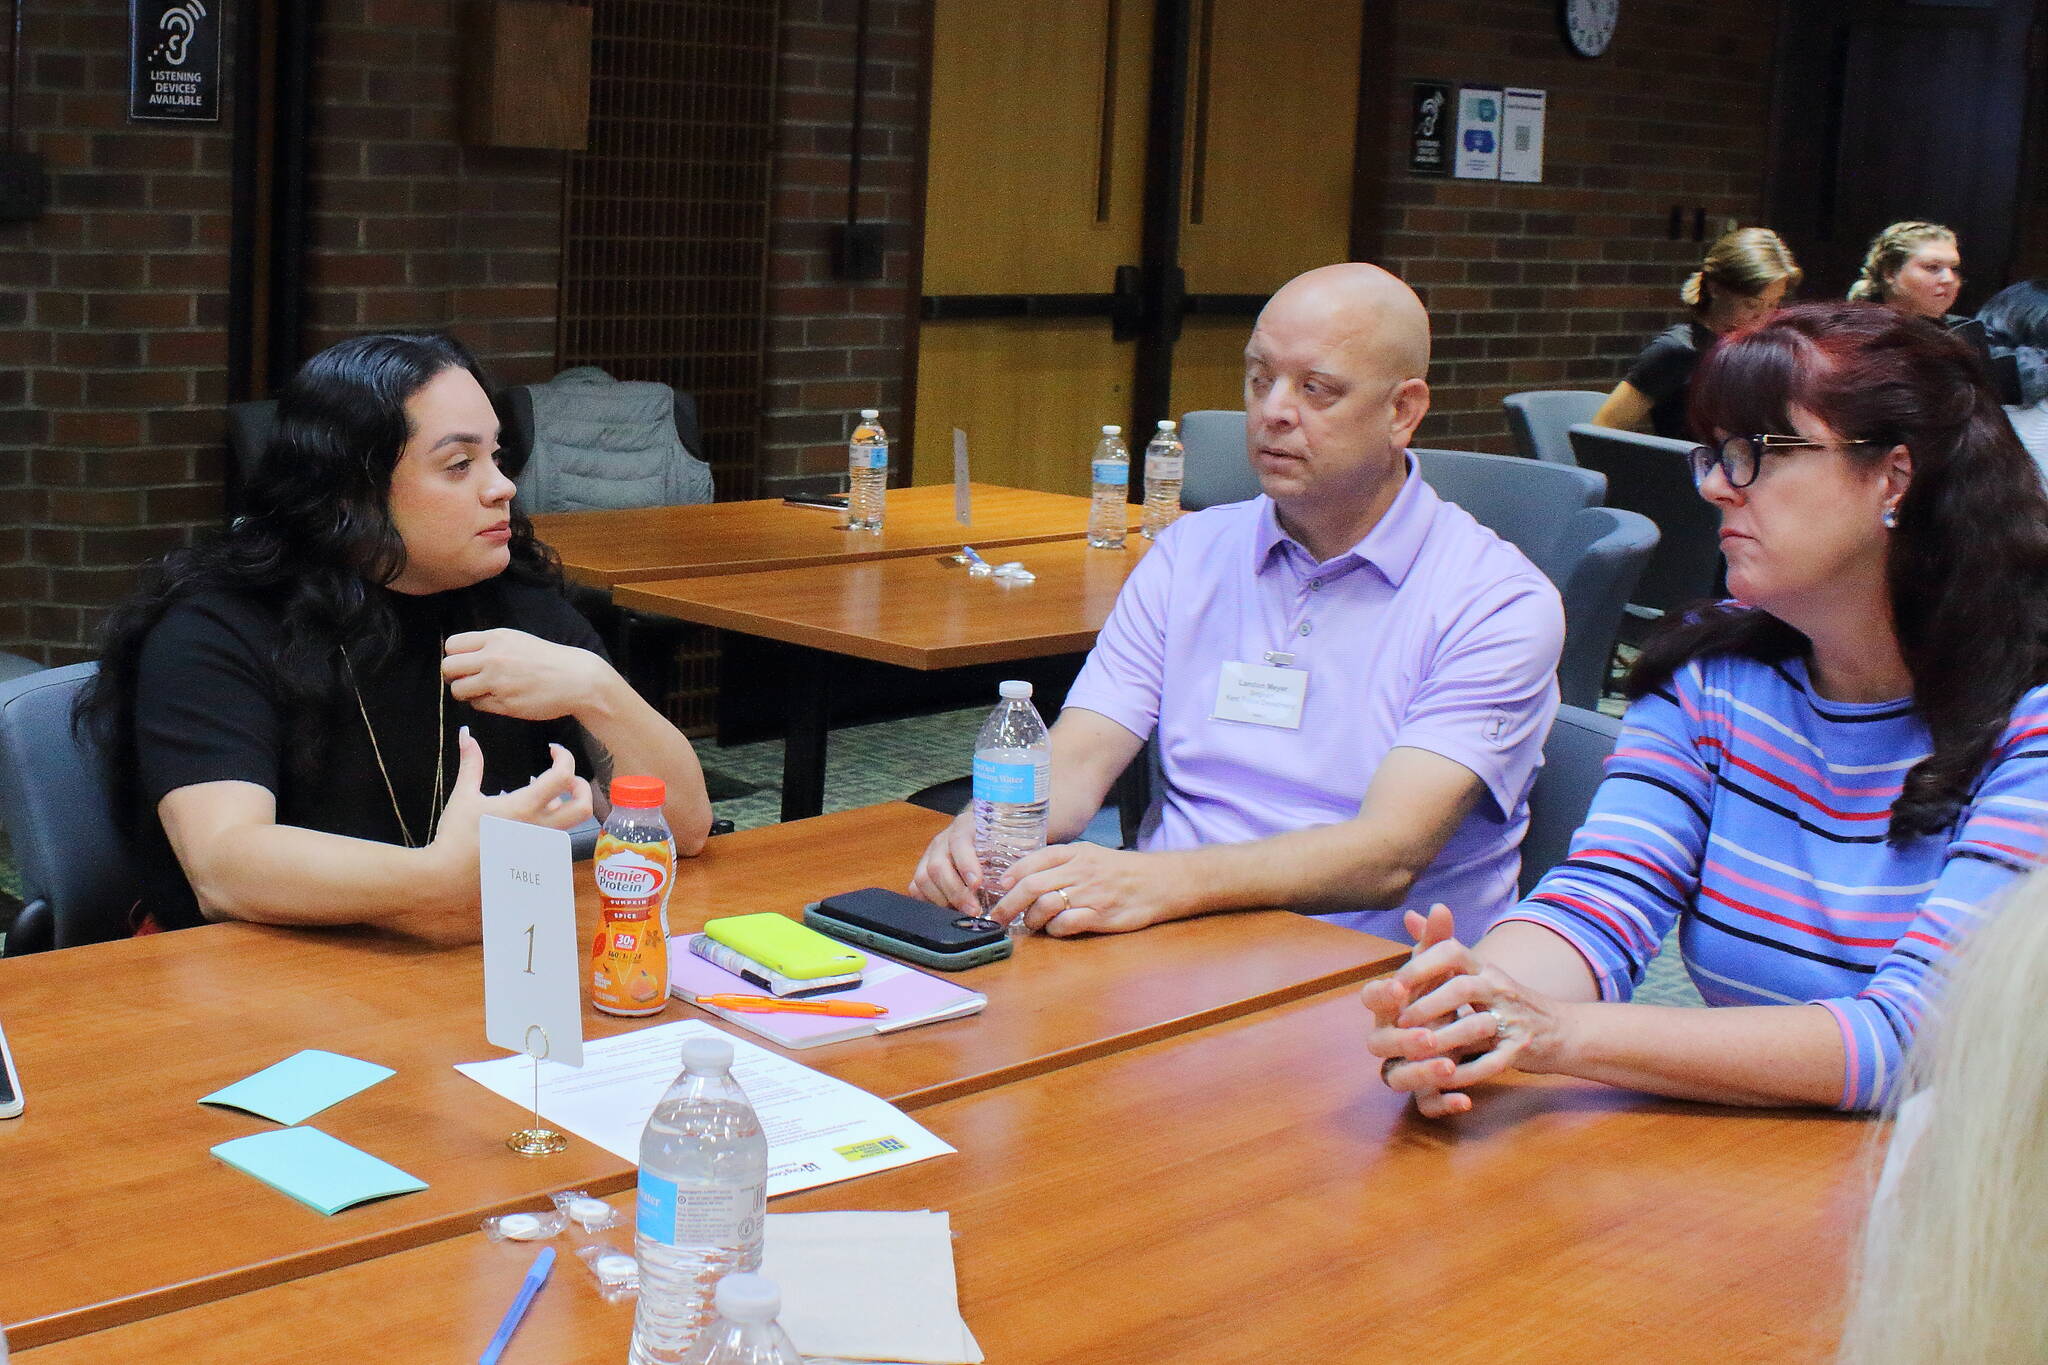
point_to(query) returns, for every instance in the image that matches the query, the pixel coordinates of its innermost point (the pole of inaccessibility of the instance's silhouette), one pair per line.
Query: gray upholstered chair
(1652, 475)
(1594, 555)
(57, 804)
(1541, 420)
(585, 440)
(1574, 760)
(1217, 469)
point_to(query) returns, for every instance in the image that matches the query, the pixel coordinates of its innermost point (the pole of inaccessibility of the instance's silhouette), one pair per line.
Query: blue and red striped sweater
(1753, 812)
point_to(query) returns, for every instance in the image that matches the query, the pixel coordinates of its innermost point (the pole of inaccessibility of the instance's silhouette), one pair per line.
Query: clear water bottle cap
(1015, 690)
(706, 1056)
(1168, 426)
(745, 1297)
(1112, 431)
(870, 414)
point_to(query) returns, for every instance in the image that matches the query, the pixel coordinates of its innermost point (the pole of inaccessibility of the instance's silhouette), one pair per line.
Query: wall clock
(1589, 24)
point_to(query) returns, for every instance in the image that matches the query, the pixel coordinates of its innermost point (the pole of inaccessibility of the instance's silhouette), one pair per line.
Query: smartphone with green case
(785, 947)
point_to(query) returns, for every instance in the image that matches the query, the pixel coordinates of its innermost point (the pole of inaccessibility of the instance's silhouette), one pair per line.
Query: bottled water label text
(1011, 783)
(1112, 471)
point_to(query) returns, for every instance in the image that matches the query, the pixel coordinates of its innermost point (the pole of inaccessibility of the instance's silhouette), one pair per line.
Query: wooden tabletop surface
(1244, 1193)
(923, 611)
(116, 1210)
(603, 548)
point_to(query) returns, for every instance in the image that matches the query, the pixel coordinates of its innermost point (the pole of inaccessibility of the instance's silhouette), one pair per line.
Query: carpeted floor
(887, 761)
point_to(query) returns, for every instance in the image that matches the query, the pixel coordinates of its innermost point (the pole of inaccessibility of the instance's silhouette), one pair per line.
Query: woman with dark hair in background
(1744, 277)
(309, 709)
(2016, 326)
(1823, 783)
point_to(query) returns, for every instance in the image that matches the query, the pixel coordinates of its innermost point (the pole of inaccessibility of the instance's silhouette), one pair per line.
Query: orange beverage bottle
(635, 865)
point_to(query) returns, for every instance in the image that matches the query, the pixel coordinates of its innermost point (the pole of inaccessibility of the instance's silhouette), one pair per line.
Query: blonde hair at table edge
(1953, 1267)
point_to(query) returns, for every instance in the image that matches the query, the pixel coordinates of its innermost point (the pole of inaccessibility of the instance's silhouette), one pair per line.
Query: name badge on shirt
(1260, 695)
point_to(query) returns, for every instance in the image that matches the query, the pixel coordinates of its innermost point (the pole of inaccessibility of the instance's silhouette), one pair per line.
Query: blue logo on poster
(1478, 140)
(1488, 111)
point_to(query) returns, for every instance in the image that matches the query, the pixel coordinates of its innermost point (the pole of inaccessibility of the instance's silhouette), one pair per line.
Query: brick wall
(112, 340)
(1558, 285)
(835, 347)
(410, 228)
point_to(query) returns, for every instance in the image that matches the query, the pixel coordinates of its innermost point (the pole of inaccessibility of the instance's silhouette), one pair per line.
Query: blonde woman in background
(1956, 1253)
(1744, 278)
(1915, 268)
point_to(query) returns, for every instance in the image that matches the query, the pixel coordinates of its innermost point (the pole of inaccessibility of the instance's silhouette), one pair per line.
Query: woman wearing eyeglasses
(1823, 783)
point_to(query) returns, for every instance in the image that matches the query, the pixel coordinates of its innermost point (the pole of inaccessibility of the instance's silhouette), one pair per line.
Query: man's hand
(1087, 889)
(510, 673)
(950, 870)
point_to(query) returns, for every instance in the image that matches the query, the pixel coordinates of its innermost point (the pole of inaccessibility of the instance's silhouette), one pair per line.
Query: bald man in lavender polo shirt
(1351, 679)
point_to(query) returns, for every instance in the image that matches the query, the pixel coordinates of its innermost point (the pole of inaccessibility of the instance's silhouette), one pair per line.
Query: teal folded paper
(319, 1171)
(300, 1086)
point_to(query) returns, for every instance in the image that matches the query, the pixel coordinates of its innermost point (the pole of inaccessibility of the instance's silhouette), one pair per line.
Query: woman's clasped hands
(1448, 1020)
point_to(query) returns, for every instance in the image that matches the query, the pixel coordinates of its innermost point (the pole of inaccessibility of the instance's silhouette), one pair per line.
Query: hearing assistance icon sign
(174, 59)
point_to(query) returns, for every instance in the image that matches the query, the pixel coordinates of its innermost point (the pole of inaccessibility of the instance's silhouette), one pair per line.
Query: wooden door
(1033, 191)
(1094, 244)
(1268, 186)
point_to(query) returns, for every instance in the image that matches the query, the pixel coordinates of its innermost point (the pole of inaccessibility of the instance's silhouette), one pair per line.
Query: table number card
(532, 976)
(963, 509)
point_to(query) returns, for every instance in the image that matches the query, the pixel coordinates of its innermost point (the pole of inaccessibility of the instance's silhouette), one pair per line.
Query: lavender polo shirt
(1430, 633)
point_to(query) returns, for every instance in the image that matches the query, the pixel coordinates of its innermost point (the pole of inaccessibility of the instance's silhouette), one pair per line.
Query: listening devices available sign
(174, 59)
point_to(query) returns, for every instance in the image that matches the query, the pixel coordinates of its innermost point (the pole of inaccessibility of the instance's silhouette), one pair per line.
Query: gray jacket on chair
(601, 442)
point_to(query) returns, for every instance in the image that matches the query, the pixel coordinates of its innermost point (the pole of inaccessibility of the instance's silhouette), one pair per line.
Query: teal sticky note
(300, 1086)
(319, 1171)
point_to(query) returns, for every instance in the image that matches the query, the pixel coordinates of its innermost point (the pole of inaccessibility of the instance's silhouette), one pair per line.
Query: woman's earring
(1890, 519)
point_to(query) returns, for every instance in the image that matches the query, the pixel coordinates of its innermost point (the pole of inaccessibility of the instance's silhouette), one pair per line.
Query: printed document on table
(820, 1129)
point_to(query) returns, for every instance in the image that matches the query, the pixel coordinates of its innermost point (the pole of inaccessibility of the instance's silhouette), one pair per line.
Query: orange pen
(771, 1004)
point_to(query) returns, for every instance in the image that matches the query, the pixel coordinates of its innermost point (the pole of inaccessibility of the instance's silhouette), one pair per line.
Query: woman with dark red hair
(1823, 783)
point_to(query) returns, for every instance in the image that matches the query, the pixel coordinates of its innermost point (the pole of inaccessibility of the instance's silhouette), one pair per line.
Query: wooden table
(115, 1210)
(1245, 1193)
(923, 612)
(606, 548)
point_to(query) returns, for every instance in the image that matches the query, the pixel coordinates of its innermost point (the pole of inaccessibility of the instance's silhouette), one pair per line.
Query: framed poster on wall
(174, 59)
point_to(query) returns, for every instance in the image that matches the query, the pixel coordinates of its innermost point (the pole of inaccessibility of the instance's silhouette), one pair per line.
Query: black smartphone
(917, 931)
(831, 502)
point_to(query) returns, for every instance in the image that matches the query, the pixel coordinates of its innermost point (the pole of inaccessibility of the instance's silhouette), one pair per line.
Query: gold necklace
(435, 806)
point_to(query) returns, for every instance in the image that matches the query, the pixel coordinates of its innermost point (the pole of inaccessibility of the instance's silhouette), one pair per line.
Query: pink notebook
(912, 997)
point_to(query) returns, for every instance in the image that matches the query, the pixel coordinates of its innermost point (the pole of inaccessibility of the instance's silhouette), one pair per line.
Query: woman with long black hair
(309, 710)
(1824, 784)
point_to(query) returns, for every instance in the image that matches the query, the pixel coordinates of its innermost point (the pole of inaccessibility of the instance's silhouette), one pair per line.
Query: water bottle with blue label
(867, 473)
(703, 1199)
(1012, 789)
(1109, 513)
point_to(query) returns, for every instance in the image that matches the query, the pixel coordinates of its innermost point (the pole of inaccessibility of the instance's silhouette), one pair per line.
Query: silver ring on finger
(1500, 1024)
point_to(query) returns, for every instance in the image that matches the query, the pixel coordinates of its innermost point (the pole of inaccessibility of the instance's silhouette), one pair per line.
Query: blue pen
(535, 1278)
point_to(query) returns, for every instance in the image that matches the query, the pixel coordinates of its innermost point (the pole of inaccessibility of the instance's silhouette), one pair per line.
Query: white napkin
(869, 1287)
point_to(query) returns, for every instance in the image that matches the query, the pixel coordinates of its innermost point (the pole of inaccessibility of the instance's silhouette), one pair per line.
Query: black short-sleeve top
(209, 707)
(1663, 373)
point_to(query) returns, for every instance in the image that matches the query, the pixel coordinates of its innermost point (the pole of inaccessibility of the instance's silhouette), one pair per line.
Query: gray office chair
(14, 666)
(1651, 475)
(1217, 469)
(1574, 761)
(1596, 565)
(1525, 502)
(1594, 555)
(56, 801)
(1541, 420)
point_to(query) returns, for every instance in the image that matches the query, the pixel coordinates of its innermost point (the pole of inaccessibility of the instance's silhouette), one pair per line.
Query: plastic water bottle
(867, 472)
(703, 1199)
(1108, 514)
(747, 1332)
(1165, 462)
(1012, 787)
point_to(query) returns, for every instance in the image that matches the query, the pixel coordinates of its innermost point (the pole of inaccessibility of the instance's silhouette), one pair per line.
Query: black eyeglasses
(1741, 457)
